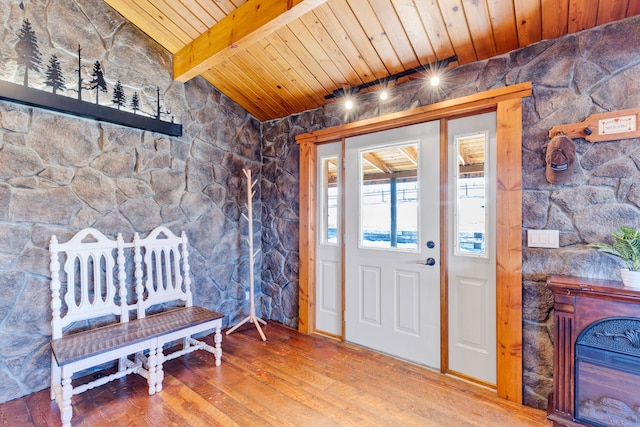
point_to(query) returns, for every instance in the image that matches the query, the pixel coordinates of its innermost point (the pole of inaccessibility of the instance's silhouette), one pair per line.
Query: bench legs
(218, 352)
(159, 369)
(152, 367)
(66, 411)
(62, 391)
(55, 377)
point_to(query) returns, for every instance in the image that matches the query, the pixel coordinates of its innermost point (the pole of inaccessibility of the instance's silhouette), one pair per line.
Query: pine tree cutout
(79, 71)
(97, 83)
(119, 98)
(27, 50)
(135, 103)
(55, 79)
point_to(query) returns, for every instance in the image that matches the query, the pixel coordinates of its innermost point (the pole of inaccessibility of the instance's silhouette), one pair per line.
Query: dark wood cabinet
(578, 302)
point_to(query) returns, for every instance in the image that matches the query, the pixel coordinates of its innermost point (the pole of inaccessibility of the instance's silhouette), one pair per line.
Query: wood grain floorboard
(289, 380)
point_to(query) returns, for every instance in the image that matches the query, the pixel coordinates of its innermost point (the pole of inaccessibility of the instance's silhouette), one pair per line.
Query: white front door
(392, 229)
(471, 263)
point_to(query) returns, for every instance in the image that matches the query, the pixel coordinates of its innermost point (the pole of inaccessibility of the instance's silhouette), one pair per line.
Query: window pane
(329, 200)
(470, 195)
(389, 197)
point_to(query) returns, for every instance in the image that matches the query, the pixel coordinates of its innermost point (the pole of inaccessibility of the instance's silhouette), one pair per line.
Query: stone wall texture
(60, 173)
(594, 71)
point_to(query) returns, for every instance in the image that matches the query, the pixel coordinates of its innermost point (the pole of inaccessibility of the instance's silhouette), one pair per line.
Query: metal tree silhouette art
(27, 50)
(97, 83)
(79, 71)
(28, 55)
(119, 98)
(135, 103)
(55, 79)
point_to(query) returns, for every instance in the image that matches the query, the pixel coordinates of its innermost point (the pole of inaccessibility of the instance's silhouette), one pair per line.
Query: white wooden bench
(93, 286)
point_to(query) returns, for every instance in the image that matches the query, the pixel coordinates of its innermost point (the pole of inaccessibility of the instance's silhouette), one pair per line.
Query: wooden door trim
(444, 246)
(507, 102)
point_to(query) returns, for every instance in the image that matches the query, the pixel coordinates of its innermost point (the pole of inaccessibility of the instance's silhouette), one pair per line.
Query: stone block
(576, 199)
(194, 204)
(19, 162)
(79, 139)
(58, 175)
(168, 186)
(14, 118)
(53, 205)
(537, 301)
(143, 214)
(116, 164)
(94, 189)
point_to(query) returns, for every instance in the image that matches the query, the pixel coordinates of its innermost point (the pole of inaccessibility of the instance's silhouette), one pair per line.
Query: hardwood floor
(289, 380)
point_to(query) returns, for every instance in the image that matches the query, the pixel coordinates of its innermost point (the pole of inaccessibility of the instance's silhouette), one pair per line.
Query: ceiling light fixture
(436, 66)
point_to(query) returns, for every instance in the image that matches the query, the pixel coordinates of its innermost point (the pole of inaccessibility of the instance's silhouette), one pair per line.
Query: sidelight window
(470, 195)
(329, 200)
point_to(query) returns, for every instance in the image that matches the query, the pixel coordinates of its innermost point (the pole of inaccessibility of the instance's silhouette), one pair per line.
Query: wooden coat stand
(249, 217)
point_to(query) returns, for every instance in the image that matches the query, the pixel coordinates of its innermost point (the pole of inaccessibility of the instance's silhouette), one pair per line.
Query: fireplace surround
(596, 353)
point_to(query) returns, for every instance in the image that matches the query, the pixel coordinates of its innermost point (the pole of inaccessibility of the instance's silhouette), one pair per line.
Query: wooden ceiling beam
(376, 162)
(252, 21)
(410, 153)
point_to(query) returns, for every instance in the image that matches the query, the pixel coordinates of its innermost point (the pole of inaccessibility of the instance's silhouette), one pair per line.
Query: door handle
(430, 261)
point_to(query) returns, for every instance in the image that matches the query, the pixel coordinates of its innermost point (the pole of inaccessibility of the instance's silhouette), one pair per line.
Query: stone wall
(60, 173)
(573, 76)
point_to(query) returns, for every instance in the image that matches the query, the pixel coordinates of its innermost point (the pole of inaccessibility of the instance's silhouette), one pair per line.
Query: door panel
(471, 262)
(329, 292)
(471, 317)
(392, 298)
(370, 293)
(407, 307)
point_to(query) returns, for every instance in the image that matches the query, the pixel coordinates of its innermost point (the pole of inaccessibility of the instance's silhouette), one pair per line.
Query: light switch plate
(543, 238)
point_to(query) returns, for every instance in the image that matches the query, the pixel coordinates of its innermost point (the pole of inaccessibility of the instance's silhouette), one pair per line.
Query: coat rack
(249, 217)
(610, 126)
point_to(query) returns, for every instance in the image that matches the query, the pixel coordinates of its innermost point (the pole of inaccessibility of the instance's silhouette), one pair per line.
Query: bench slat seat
(74, 347)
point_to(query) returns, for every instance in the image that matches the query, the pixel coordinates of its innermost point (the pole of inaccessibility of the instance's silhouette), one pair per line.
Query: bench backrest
(90, 260)
(161, 264)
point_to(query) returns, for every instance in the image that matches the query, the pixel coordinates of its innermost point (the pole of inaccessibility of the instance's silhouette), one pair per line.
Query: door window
(389, 197)
(470, 195)
(329, 201)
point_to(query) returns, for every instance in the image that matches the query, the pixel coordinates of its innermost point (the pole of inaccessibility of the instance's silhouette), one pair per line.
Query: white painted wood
(471, 280)
(90, 294)
(88, 250)
(166, 263)
(369, 295)
(392, 298)
(163, 259)
(328, 253)
(93, 274)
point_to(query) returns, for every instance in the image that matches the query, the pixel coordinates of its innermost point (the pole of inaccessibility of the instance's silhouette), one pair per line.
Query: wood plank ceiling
(281, 57)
